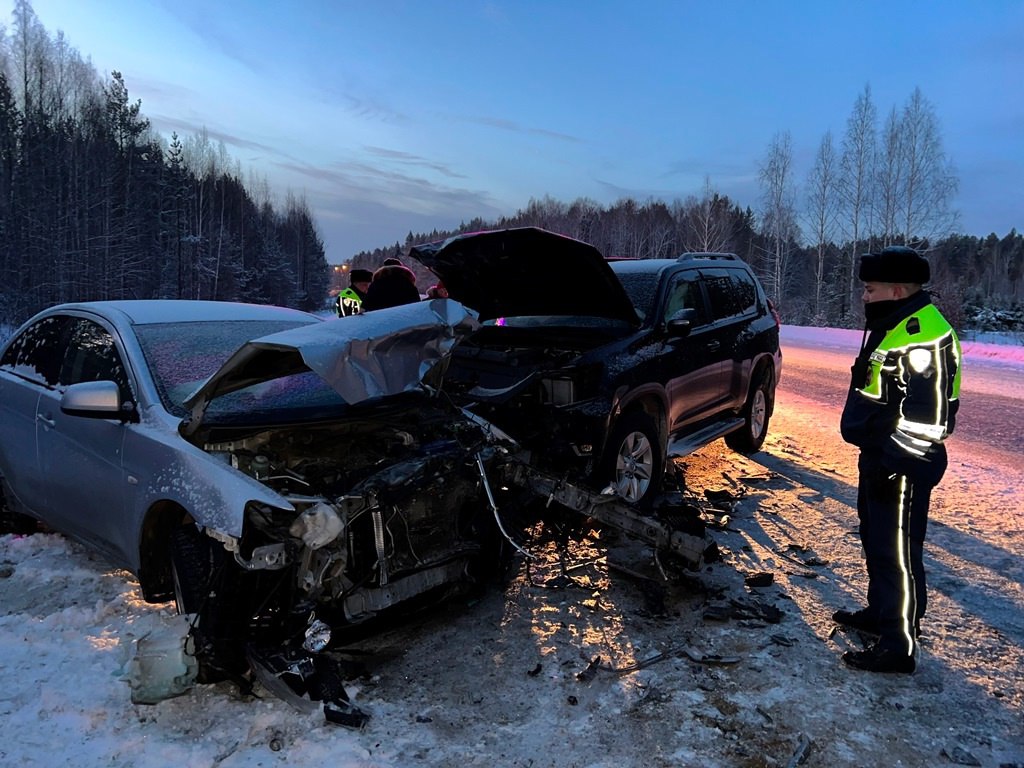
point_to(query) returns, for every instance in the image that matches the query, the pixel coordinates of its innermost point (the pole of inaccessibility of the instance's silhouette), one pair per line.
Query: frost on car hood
(526, 272)
(377, 354)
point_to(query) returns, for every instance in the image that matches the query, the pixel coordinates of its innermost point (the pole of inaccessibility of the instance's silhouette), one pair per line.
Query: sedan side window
(36, 354)
(93, 356)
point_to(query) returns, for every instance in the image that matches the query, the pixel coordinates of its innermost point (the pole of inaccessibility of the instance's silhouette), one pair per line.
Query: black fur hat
(895, 264)
(360, 276)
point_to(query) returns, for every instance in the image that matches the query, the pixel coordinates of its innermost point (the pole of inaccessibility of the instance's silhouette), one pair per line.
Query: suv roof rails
(702, 255)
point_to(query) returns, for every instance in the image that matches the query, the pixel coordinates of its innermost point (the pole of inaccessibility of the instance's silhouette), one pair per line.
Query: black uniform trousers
(893, 512)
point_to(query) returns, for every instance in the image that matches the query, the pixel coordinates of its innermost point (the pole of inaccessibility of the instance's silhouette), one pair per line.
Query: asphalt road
(991, 416)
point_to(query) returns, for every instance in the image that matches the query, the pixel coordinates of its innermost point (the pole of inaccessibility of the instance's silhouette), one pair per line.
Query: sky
(398, 116)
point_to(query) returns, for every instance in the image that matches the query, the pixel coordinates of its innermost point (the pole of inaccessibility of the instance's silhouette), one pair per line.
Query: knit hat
(895, 264)
(360, 276)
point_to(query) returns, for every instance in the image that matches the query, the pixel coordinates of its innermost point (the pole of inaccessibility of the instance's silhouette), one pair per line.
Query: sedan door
(81, 457)
(28, 370)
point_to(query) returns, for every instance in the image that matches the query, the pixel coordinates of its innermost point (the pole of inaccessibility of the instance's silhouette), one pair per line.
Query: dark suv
(603, 369)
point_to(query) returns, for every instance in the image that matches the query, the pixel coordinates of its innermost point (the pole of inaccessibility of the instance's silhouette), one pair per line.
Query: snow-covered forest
(96, 205)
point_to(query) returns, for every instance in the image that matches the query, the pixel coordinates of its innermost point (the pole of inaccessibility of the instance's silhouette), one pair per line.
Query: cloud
(204, 21)
(513, 127)
(164, 124)
(353, 181)
(373, 109)
(408, 158)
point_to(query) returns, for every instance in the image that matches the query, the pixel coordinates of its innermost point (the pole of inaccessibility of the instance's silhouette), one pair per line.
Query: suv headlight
(568, 387)
(559, 391)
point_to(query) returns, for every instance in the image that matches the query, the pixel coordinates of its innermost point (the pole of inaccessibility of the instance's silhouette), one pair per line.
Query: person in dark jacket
(350, 300)
(393, 284)
(901, 406)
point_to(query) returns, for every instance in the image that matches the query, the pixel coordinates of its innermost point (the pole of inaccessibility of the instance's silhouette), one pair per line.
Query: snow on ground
(595, 658)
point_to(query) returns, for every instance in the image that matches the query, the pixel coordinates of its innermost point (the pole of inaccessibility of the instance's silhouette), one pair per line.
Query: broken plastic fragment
(163, 664)
(318, 526)
(345, 713)
(318, 635)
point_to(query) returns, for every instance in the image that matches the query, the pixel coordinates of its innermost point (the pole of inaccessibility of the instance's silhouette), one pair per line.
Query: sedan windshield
(181, 356)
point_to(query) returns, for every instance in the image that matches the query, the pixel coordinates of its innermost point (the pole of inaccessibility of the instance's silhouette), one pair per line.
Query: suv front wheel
(756, 412)
(634, 459)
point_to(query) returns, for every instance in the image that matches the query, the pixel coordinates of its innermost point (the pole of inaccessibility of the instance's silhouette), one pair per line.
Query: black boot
(878, 659)
(863, 620)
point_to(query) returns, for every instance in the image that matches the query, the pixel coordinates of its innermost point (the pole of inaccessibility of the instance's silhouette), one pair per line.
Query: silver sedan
(91, 397)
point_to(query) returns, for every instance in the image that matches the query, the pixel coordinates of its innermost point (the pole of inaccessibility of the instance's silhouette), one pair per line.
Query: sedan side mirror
(97, 400)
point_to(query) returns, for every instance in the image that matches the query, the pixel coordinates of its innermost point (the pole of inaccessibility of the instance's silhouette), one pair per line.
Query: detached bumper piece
(677, 529)
(307, 681)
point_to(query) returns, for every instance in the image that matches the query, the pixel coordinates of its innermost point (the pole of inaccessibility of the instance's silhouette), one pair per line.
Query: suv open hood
(527, 272)
(378, 354)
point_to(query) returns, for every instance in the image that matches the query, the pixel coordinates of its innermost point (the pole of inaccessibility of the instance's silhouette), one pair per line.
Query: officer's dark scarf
(880, 317)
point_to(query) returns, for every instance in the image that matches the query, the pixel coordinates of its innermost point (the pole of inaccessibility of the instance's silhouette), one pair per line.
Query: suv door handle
(713, 345)
(46, 420)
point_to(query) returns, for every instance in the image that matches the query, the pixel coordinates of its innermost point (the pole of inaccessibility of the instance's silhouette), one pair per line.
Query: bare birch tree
(778, 213)
(709, 226)
(930, 181)
(856, 177)
(890, 184)
(822, 215)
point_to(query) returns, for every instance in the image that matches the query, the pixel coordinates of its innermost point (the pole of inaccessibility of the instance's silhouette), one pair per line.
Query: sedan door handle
(713, 345)
(46, 420)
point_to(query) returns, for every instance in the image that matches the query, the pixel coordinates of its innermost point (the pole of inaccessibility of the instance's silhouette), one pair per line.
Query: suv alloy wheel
(634, 460)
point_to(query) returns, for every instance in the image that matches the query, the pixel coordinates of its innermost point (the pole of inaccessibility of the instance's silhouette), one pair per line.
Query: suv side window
(37, 352)
(92, 356)
(684, 293)
(732, 293)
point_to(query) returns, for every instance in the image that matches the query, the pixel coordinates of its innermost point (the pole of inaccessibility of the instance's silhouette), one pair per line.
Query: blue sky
(391, 116)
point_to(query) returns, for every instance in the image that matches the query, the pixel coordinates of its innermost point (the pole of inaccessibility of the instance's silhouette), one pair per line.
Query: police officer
(350, 300)
(901, 405)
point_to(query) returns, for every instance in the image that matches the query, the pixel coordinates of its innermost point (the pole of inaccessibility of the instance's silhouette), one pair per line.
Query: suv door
(691, 363)
(82, 456)
(732, 299)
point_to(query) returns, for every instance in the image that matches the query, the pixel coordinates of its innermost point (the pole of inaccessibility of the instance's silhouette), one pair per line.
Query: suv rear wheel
(750, 437)
(634, 459)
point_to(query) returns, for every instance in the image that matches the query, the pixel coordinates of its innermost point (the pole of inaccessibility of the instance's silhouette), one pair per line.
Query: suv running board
(687, 444)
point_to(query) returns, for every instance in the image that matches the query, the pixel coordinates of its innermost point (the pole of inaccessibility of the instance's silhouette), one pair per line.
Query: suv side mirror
(681, 323)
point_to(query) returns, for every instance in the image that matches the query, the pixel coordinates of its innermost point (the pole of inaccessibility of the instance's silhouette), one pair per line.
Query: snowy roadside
(504, 680)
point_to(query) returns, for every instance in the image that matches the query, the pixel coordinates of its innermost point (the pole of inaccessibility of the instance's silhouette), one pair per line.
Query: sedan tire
(199, 571)
(11, 521)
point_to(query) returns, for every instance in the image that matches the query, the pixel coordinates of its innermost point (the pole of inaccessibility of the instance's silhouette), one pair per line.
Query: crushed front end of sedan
(379, 483)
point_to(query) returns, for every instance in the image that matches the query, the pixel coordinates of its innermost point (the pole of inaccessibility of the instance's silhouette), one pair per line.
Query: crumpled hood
(378, 354)
(527, 272)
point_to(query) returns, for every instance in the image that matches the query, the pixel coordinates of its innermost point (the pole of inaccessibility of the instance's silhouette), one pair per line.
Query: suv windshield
(641, 287)
(181, 356)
